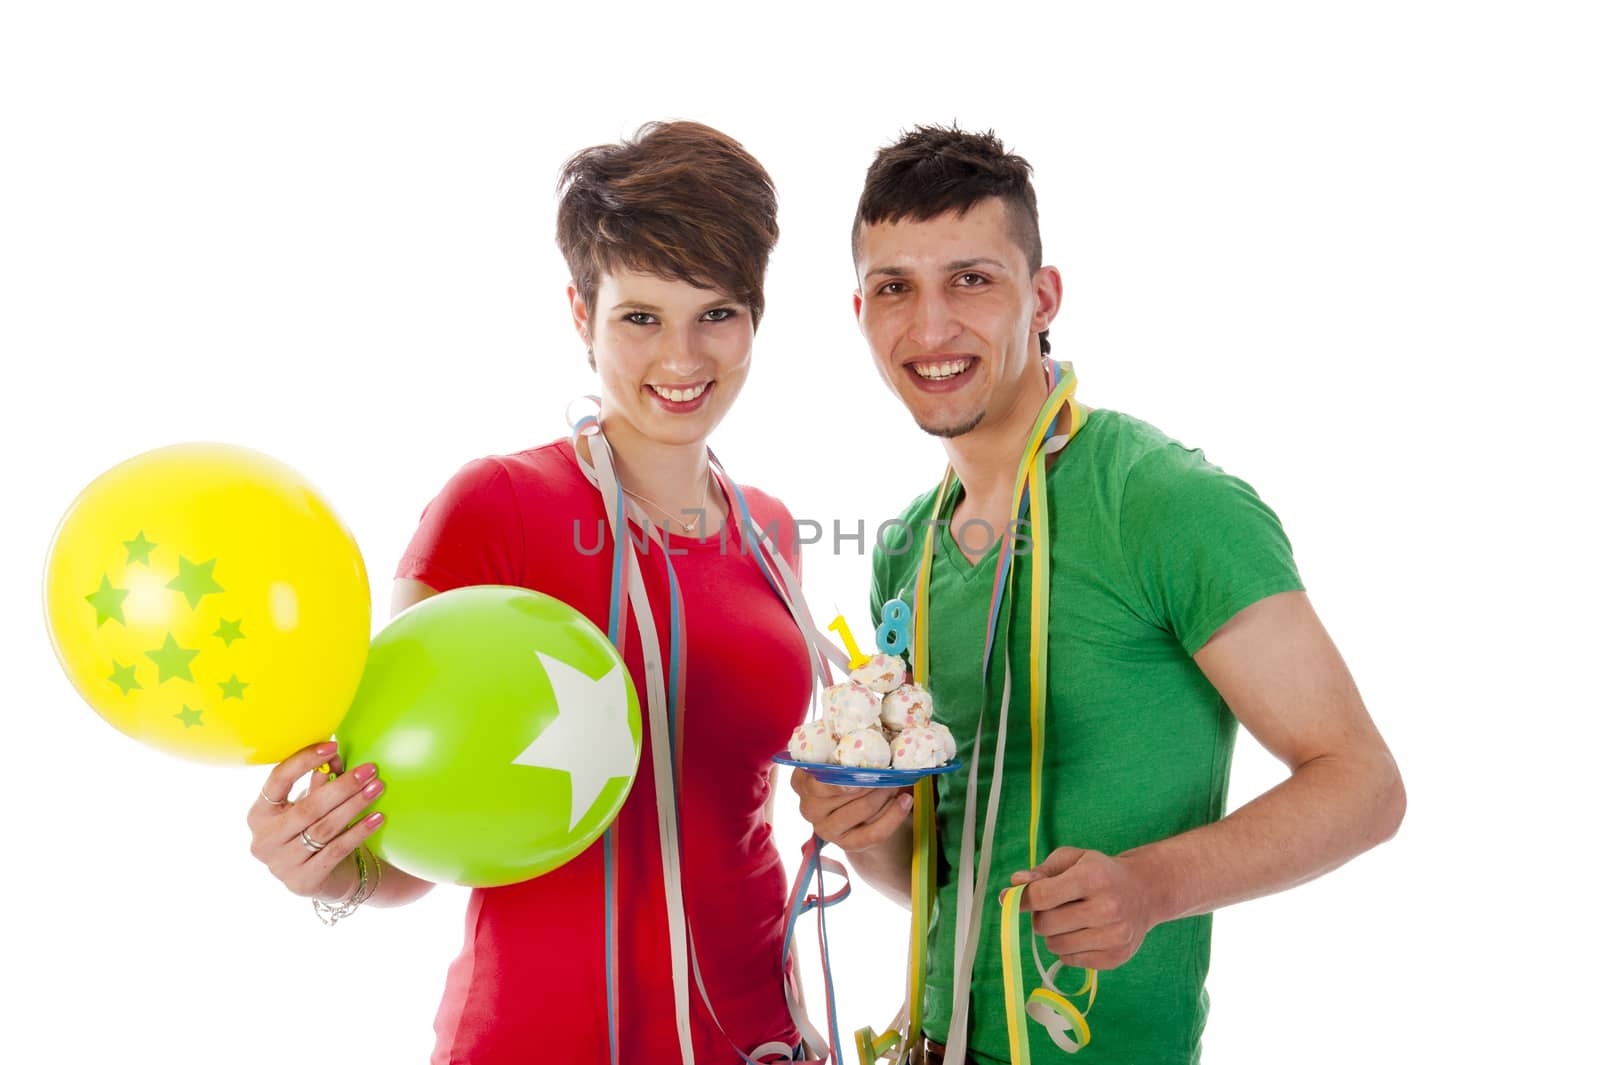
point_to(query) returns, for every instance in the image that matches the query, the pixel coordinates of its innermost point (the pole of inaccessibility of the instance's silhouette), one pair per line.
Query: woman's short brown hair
(679, 200)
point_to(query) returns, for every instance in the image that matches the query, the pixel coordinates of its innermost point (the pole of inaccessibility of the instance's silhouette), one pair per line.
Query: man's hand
(1093, 910)
(871, 825)
(854, 819)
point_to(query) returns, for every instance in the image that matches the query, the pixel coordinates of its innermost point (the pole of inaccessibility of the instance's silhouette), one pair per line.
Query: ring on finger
(310, 844)
(271, 801)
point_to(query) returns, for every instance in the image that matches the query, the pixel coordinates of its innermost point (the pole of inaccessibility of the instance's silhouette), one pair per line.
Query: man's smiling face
(949, 306)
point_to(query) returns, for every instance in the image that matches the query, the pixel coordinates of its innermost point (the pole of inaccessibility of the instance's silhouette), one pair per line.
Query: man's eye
(893, 288)
(719, 314)
(970, 280)
(639, 318)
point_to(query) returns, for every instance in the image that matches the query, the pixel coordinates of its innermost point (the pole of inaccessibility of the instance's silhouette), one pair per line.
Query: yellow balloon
(205, 600)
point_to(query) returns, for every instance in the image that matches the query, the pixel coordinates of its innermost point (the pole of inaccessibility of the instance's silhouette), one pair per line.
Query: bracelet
(331, 913)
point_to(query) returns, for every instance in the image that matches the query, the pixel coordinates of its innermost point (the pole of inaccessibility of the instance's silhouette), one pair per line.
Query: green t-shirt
(1152, 550)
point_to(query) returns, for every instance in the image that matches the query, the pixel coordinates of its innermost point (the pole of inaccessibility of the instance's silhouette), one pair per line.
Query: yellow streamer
(871, 1046)
(1011, 967)
(1039, 525)
(1067, 1025)
(923, 837)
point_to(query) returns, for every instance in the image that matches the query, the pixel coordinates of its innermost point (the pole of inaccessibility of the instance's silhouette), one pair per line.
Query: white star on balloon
(590, 739)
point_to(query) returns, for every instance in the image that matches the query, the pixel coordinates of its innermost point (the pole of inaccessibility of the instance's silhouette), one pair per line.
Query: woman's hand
(305, 842)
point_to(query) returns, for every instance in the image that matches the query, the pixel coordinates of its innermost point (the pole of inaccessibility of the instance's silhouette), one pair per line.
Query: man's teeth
(939, 371)
(680, 395)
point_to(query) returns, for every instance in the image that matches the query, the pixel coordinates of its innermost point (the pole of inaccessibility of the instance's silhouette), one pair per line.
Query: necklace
(688, 526)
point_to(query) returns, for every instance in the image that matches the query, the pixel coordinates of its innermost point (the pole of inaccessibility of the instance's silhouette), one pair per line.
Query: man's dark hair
(935, 170)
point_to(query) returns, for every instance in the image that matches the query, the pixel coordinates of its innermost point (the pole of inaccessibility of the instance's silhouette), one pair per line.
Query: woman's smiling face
(671, 356)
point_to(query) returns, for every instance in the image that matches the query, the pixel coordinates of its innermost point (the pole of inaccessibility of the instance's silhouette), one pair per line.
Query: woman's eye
(719, 314)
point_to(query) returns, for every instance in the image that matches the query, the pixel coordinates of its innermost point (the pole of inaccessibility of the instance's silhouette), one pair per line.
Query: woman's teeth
(680, 395)
(939, 371)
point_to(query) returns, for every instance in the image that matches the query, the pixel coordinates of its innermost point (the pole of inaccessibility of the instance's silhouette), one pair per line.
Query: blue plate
(846, 776)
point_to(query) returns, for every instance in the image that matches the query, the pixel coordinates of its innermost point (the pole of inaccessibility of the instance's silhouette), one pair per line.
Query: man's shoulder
(921, 506)
(897, 534)
(897, 539)
(1124, 450)
(1118, 440)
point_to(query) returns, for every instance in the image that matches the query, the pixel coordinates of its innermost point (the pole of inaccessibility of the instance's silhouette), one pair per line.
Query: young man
(1174, 612)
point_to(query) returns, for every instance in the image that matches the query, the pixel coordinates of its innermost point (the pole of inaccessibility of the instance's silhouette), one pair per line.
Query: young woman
(667, 236)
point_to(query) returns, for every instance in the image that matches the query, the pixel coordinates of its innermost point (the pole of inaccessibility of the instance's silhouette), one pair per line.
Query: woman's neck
(672, 480)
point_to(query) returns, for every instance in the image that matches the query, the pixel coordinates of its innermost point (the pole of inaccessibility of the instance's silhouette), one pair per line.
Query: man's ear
(1046, 298)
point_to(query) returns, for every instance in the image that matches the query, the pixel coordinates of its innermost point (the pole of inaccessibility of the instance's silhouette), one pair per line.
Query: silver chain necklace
(688, 526)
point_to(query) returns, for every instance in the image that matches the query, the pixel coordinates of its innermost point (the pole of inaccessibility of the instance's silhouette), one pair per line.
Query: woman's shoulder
(771, 517)
(544, 464)
(520, 482)
(763, 504)
(543, 468)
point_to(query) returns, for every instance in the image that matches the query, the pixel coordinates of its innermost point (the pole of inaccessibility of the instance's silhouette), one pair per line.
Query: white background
(1348, 249)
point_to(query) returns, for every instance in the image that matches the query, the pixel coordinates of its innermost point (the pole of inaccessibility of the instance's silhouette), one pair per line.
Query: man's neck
(986, 458)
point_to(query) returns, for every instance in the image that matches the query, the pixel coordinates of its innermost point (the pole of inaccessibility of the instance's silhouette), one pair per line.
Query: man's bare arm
(1284, 679)
(1278, 670)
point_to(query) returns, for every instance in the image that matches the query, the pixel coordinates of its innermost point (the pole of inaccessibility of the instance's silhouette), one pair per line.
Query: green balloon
(505, 728)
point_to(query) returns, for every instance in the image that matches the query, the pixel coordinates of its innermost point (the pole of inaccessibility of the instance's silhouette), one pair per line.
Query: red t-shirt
(529, 984)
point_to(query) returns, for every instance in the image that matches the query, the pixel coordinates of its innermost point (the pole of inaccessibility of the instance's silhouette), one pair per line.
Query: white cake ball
(881, 673)
(812, 742)
(947, 742)
(849, 706)
(909, 706)
(918, 748)
(866, 748)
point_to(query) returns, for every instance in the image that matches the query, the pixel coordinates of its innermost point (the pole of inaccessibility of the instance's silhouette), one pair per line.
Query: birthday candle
(857, 659)
(893, 634)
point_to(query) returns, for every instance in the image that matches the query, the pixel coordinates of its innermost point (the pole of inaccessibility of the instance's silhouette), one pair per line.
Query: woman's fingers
(274, 795)
(297, 765)
(334, 769)
(309, 840)
(308, 875)
(344, 799)
(304, 842)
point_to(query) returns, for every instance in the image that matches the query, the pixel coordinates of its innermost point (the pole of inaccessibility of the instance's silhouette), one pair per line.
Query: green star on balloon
(229, 631)
(172, 660)
(139, 549)
(233, 688)
(107, 602)
(122, 676)
(195, 581)
(189, 717)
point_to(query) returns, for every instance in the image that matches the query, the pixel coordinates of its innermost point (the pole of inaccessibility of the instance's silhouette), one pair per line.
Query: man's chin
(949, 429)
